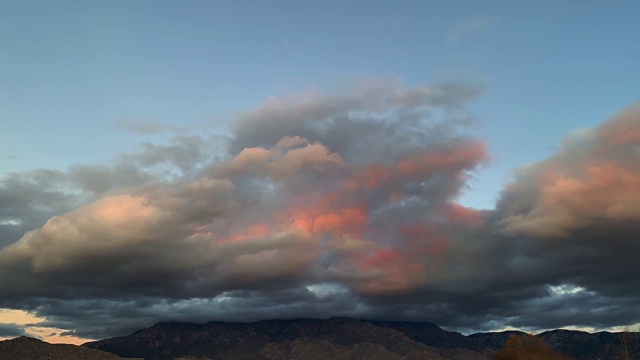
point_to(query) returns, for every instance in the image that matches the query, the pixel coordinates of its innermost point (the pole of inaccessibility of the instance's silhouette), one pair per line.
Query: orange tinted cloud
(253, 231)
(592, 179)
(623, 128)
(473, 152)
(370, 177)
(342, 220)
(462, 215)
(388, 271)
(421, 165)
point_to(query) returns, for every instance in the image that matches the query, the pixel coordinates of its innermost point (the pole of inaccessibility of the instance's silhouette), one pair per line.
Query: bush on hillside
(527, 347)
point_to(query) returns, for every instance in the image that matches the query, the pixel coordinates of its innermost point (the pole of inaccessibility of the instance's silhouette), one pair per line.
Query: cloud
(385, 118)
(324, 205)
(570, 220)
(11, 330)
(357, 190)
(29, 199)
(593, 178)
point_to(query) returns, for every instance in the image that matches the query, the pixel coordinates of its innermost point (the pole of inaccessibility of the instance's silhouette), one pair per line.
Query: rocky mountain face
(309, 339)
(335, 338)
(26, 348)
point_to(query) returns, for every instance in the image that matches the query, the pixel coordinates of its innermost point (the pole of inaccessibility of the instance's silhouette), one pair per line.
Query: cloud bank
(322, 205)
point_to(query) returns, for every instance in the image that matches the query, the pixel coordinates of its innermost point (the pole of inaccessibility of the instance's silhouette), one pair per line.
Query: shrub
(528, 347)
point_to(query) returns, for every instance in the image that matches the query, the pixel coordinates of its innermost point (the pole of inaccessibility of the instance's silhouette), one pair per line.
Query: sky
(474, 164)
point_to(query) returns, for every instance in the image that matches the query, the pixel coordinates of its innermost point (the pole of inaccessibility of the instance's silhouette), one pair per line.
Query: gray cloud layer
(330, 205)
(11, 330)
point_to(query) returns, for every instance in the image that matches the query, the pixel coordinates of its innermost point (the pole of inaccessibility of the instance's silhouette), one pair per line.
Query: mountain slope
(578, 344)
(335, 338)
(26, 348)
(588, 346)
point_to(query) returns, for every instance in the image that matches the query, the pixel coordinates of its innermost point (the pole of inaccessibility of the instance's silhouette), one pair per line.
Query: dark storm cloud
(11, 330)
(321, 206)
(104, 318)
(572, 219)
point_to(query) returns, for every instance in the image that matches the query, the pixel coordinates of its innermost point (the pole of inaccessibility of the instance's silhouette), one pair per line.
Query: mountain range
(310, 339)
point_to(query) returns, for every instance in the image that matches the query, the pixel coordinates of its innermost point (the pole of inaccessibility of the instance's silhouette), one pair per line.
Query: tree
(629, 344)
(624, 339)
(528, 347)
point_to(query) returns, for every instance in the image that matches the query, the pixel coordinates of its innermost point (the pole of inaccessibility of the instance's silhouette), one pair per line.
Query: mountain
(26, 348)
(593, 346)
(578, 344)
(309, 339)
(345, 338)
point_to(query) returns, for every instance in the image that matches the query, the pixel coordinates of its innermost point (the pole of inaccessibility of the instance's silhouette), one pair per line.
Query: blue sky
(70, 69)
(317, 205)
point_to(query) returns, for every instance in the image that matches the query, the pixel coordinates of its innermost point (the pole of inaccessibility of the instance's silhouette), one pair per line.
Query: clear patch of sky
(70, 69)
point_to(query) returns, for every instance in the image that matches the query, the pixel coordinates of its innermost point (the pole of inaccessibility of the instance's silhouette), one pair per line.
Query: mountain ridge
(340, 338)
(28, 348)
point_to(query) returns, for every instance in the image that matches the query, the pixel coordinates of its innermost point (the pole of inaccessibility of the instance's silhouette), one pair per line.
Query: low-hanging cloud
(11, 330)
(323, 205)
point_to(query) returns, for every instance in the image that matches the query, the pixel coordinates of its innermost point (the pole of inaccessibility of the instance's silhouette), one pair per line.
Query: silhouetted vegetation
(527, 347)
(629, 344)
